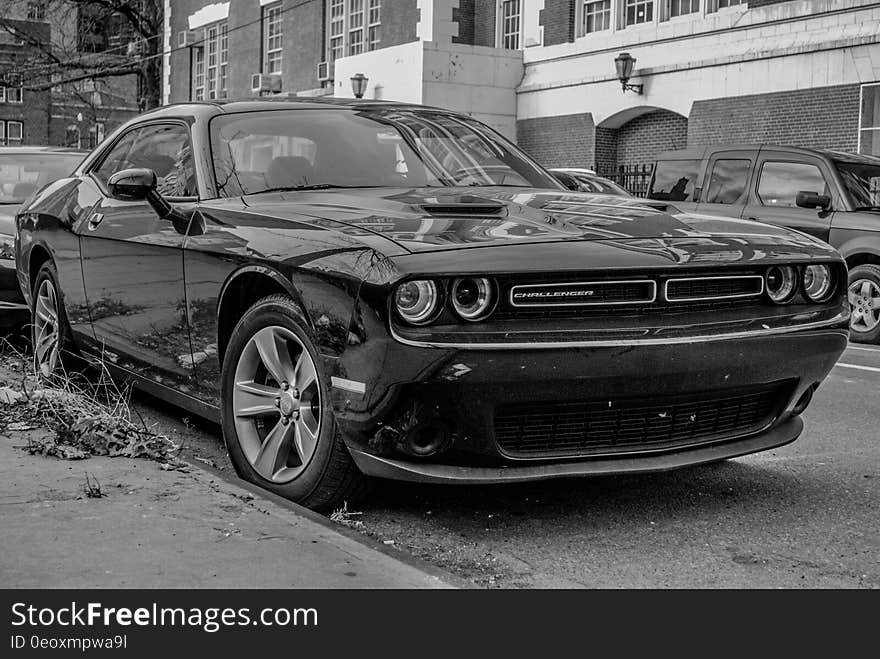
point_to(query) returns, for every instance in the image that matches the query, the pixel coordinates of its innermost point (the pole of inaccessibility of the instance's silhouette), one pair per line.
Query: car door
(780, 176)
(132, 260)
(726, 187)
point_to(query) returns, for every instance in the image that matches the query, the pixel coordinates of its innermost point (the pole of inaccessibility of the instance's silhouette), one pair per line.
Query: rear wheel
(277, 420)
(864, 300)
(50, 332)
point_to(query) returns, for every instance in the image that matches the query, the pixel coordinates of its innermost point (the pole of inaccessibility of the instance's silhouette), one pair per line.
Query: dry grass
(86, 415)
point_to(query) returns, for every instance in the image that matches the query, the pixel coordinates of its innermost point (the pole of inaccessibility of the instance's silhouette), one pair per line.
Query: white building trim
(208, 14)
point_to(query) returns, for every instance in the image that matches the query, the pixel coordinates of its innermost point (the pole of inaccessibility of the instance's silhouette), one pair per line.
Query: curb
(447, 578)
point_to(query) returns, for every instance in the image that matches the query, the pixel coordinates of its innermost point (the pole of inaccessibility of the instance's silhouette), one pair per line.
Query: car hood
(435, 219)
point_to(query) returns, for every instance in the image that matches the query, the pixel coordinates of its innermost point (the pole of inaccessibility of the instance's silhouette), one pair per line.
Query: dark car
(23, 171)
(831, 195)
(347, 287)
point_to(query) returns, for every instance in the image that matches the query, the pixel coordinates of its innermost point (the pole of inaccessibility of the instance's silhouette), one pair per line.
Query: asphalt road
(806, 515)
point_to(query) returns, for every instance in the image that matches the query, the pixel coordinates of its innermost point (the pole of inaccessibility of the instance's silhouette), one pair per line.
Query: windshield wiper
(867, 208)
(316, 186)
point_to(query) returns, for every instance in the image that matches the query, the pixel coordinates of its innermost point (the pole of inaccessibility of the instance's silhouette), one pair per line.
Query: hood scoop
(464, 206)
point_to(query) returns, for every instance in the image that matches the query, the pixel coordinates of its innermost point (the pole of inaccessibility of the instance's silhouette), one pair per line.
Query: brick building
(76, 114)
(24, 115)
(803, 72)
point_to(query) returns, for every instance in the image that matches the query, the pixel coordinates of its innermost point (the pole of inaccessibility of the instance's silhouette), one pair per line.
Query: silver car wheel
(864, 299)
(277, 404)
(46, 334)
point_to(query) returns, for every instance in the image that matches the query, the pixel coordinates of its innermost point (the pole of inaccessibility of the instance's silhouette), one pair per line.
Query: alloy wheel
(46, 330)
(277, 404)
(864, 299)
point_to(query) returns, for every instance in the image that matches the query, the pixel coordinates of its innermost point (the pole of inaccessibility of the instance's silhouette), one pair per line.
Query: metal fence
(635, 178)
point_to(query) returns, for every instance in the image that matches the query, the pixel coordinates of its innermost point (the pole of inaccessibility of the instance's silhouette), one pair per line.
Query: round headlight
(472, 297)
(781, 283)
(818, 282)
(416, 301)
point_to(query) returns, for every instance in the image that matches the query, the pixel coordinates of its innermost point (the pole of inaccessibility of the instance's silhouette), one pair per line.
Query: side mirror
(813, 200)
(140, 185)
(132, 184)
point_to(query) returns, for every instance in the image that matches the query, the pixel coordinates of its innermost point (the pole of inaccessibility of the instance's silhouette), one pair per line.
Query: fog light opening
(428, 440)
(804, 400)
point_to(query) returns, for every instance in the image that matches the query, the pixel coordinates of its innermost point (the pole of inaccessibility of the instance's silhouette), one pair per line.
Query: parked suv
(832, 195)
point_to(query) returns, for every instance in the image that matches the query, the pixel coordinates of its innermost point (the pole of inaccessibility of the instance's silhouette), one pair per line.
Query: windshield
(599, 184)
(300, 149)
(21, 175)
(862, 183)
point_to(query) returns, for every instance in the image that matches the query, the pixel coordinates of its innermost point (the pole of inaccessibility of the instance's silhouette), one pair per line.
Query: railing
(635, 178)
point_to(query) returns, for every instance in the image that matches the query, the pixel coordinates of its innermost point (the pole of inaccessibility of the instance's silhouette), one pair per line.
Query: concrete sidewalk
(169, 529)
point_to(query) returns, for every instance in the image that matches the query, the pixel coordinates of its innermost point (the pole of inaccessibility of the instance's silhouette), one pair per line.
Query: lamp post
(624, 63)
(359, 84)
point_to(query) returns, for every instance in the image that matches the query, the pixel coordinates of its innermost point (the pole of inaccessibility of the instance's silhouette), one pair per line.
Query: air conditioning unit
(264, 83)
(323, 71)
(186, 38)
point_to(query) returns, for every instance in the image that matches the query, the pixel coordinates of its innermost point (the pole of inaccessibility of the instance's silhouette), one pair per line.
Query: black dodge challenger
(374, 289)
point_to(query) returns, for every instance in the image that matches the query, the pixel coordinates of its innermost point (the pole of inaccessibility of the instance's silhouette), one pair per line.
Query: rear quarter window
(675, 180)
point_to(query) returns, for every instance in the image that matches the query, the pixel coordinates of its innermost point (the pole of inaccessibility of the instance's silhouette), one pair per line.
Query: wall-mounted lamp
(359, 84)
(624, 63)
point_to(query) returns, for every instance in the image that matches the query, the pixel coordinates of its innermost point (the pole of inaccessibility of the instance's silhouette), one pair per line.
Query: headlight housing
(417, 301)
(781, 283)
(818, 282)
(472, 297)
(7, 247)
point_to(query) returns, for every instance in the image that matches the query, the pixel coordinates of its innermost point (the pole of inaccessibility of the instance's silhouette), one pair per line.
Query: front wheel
(864, 300)
(277, 419)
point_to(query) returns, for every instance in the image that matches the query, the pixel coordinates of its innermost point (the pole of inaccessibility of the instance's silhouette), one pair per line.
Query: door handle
(94, 221)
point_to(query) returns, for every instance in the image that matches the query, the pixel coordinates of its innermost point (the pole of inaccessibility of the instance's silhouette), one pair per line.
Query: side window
(728, 182)
(674, 180)
(164, 148)
(781, 181)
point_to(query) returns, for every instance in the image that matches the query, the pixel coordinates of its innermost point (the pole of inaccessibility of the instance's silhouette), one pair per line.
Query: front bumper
(373, 465)
(387, 385)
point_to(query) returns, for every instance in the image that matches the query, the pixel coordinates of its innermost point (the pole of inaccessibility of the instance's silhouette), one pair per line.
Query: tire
(53, 347)
(278, 437)
(864, 297)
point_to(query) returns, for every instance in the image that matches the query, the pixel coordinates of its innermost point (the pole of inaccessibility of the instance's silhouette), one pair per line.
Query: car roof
(699, 153)
(23, 150)
(574, 170)
(221, 106)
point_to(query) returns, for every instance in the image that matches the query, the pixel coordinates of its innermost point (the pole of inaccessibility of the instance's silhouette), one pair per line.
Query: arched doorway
(628, 142)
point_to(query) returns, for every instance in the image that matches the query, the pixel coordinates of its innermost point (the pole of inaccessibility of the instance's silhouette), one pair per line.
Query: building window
(638, 11)
(272, 37)
(11, 95)
(374, 19)
(724, 4)
(199, 74)
(510, 24)
(210, 63)
(596, 16)
(353, 27)
(681, 7)
(96, 135)
(36, 11)
(869, 124)
(11, 133)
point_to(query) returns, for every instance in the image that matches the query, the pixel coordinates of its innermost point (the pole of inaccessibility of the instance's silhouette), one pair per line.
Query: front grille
(624, 425)
(587, 293)
(663, 292)
(691, 289)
